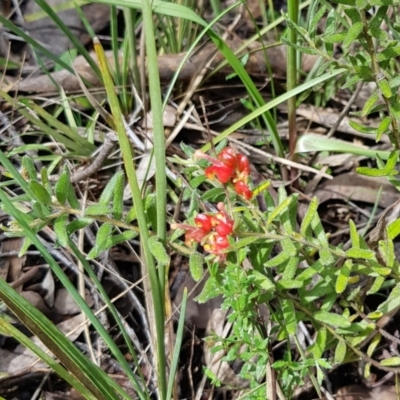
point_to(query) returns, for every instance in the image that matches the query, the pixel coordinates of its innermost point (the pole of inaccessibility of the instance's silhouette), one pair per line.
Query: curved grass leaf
(7, 329)
(91, 376)
(311, 143)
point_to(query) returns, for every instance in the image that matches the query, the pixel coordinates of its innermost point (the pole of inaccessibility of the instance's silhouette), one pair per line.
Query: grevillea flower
(224, 226)
(205, 222)
(228, 157)
(217, 245)
(229, 167)
(242, 189)
(193, 234)
(211, 231)
(243, 164)
(223, 172)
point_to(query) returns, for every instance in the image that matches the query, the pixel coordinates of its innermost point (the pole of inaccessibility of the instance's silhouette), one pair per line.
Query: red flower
(242, 189)
(193, 234)
(228, 157)
(205, 222)
(243, 164)
(229, 167)
(223, 172)
(216, 244)
(224, 226)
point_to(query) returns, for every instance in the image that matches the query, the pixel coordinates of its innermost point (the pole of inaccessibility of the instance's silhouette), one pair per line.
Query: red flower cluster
(211, 231)
(229, 167)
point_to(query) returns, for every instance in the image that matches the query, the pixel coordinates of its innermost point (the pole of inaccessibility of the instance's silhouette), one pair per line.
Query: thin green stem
(130, 18)
(291, 80)
(157, 293)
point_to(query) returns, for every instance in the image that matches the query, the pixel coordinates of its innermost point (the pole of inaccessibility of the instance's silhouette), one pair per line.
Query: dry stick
(346, 109)
(103, 153)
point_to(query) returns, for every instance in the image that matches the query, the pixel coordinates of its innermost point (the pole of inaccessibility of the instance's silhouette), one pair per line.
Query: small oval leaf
(158, 250)
(40, 192)
(60, 228)
(335, 320)
(196, 262)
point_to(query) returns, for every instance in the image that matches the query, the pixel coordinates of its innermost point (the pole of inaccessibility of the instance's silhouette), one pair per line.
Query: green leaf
(342, 279)
(289, 284)
(335, 320)
(353, 33)
(386, 250)
(98, 383)
(263, 282)
(351, 82)
(103, 236)
(40, 192)
(290, 268)
(158, 251)
(311, 143)
(378, 282)
(279, 209)
(244, 242)
(9, 330)
(277, 260)
(319, 347)
(97, 209)
(391, 362)
(78, 224)
(289, 315)
(310, 214)
(196, 262)
(118, 199)
(210, 290)
(335, 38)
(360, 253)
(370, 102)
(121, 238)
(189, 151)
(108, 191)
(354, 235)
(194, 204)
(393, 229)
(315, 17)
(392, 302)
(62, 186)
(71, 197)
(388, 53)
(385, 88)
(378, 33)
(353, 14)
(340, 352)
(60, 229)
(383, 127)
(326, 257)
(374, 172)
(29, 167)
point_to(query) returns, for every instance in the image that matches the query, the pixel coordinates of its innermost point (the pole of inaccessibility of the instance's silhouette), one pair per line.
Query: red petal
(223, 172)
(243, 190)
(224, 229)
(243, 164)
(195, 235)
(228, 157)
(216, 244)
(204, 222)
